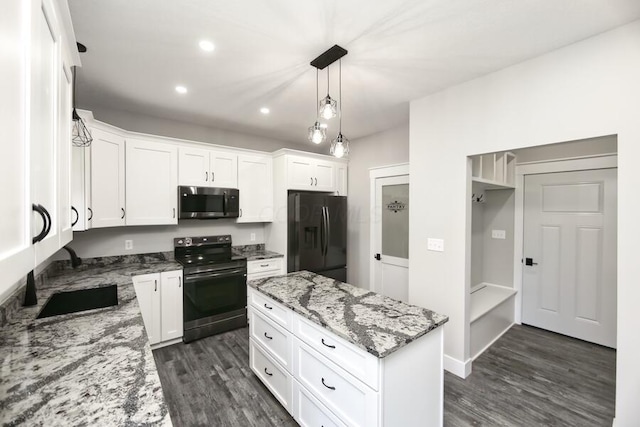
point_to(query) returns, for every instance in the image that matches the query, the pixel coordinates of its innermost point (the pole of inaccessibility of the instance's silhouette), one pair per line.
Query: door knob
(377, 256)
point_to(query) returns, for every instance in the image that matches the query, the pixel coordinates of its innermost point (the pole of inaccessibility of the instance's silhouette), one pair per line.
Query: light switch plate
(498, 234)
(435, 244)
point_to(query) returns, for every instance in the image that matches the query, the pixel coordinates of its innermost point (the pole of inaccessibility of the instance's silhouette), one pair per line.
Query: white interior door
(570, 242)
(391, 237)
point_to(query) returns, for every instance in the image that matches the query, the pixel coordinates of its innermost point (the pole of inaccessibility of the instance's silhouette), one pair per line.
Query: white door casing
(570, 232)
(390, 232)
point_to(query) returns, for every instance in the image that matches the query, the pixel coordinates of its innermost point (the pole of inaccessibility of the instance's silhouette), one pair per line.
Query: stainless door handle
(156, 286)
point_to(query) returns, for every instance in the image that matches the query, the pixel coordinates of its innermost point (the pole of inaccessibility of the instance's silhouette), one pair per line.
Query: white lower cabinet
(323, 380)
(261, 268)
(309, 411)
(160, 300)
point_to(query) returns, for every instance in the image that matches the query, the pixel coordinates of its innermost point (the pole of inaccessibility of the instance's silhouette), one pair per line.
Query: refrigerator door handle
(328, 225)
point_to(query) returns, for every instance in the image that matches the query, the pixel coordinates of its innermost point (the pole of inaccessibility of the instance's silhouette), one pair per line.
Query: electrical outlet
(498, 234)
(435, 245)
(128, 245)
(253, 237)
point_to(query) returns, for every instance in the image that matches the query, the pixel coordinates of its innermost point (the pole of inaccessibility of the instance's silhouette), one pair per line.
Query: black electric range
(215, 286)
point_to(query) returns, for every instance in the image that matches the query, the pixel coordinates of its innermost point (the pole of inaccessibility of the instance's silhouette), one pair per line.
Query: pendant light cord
(340, 92)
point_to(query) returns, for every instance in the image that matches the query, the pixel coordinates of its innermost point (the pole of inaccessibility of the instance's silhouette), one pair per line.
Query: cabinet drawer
(309, 412)
(264, 265)
(275, 377)
(351, 400)
(356, 361)
(271, 309)
(277, 341)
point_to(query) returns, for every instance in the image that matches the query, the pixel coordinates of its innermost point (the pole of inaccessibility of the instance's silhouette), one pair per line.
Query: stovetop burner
(196, 253)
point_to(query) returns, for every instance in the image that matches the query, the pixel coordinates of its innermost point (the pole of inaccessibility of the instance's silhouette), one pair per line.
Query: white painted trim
(564, 159)
(578, 164)
(492, 341)
(605, 161)
(387, 171)
(456, 367)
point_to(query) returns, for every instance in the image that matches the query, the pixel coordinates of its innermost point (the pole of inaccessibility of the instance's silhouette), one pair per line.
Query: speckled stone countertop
(87, 368)
(255, 252)
(376, 323)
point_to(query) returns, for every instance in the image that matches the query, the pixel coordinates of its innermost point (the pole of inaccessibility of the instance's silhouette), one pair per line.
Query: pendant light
(340, 145)
(80, 135)
(317, 134)
(327, 108)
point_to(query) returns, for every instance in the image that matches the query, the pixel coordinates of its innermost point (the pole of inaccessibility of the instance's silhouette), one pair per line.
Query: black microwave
(208, 203)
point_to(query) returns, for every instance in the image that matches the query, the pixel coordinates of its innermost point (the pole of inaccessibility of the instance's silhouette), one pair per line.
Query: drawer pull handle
(267, 336)
(267, 372)
(264, 265)
(328, 345)
(267, 307)
(327, 386)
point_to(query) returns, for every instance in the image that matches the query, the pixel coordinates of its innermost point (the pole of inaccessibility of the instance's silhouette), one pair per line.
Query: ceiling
(399, 50)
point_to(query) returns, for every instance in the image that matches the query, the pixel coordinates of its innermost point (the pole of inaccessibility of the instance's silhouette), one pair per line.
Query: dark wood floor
(529, 377)
(532, 377)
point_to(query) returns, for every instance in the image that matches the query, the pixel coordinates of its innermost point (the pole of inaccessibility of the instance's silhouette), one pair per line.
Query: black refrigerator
(317, 230)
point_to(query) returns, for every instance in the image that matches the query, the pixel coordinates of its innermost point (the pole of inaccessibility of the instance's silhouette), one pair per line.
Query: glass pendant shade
(339, 146)
(328, 108)
(317, 134)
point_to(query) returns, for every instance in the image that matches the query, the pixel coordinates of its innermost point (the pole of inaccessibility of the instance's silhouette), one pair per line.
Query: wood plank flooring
(533, 377)
(529, 377)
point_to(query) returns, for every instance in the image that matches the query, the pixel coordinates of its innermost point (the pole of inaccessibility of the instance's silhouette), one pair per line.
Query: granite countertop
(255, 252)
(378, 324)
(87, 368)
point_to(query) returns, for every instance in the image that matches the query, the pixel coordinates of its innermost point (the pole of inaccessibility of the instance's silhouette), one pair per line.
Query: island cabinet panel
(310, 412)
(359, 363)
(323, 379)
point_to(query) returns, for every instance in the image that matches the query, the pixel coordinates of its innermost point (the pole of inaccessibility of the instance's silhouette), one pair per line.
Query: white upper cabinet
(341, 180)
(107, 207)
(255, 182)
(38, 50)
(16, 250)
(306, 173)
(207, 168)
(151, 183)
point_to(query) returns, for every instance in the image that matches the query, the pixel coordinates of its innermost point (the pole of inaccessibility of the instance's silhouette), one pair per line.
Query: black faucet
(75, 260)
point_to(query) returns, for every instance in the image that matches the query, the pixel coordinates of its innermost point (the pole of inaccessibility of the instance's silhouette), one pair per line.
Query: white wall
(159, 238)
(588, 89)
(137, 122)
(384, 148)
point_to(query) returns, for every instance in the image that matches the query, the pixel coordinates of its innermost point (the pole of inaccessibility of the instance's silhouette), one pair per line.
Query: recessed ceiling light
(264, 110)
(181, 90)
(206, 45)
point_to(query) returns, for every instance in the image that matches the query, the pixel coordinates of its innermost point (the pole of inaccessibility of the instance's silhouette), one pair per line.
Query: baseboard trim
(165, 343)
(493, 341)
(456, 367)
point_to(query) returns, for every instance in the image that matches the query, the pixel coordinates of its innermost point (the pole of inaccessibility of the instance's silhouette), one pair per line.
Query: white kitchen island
(337, 355)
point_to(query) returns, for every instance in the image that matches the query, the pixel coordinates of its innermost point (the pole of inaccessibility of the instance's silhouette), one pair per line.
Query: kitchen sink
(81, 300)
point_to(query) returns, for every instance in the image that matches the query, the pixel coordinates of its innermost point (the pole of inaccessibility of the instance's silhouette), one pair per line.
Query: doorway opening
(572, 186)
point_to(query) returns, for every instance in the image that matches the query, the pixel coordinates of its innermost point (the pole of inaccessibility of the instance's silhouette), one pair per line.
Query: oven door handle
(208, 275)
